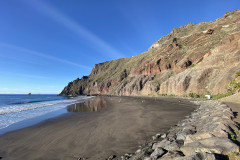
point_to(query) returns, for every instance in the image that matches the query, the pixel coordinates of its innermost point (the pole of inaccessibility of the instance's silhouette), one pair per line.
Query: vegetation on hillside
(233, 87)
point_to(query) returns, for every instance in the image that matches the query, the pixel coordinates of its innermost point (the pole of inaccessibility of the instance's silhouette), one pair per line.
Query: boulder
(158, 152)
(141, 153)
(172, 154)
(198, 156)
(111, 157)
(211, 145)
(162, 144)
(172, 146)
(182, 135)
(197, 136)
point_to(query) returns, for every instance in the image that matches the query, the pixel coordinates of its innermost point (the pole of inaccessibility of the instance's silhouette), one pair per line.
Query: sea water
(19, 111)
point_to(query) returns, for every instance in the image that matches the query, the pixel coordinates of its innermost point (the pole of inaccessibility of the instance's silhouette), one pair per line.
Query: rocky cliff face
(196, 58)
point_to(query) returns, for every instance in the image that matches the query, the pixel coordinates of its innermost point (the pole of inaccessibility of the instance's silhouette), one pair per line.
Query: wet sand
(120, 127)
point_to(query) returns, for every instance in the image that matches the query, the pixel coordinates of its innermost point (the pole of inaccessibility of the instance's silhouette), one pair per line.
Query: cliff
(197, 58)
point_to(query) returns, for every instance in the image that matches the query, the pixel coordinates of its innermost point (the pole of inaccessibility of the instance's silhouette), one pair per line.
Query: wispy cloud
(33, 76)
(13, 58)
(39, 54)
(25, 75)
(97, 42)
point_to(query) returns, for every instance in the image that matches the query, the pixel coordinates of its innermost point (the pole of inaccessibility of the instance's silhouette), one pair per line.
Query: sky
(45, 44)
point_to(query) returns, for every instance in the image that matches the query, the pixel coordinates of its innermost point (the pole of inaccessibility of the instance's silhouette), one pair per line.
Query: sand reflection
(94, 105)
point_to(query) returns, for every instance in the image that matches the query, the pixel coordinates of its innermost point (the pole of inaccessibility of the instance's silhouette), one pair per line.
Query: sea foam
(12, 114)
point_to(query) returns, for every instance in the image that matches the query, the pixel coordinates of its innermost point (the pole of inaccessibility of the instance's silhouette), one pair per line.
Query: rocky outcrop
(206, 134)
(197, 58)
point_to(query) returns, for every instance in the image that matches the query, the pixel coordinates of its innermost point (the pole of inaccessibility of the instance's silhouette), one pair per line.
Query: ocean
(19, 111)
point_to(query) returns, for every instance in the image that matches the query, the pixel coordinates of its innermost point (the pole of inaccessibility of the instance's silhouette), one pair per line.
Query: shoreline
(117, 129)
(28, 122)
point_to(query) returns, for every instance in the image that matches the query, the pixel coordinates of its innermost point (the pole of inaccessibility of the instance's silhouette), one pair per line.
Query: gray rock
(198, 156)
(158, 152)
(111, 157)
(164, 135)
(172, 154)
(162, 143)
(182, 135)
(141, 153)
(210, 145)
(172, 146)
(197, 136)
(126, 156)
(157, 136)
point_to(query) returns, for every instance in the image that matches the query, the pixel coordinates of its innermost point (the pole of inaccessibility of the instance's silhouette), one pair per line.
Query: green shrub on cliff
(238, 74)
(219, 96)
(233, 137)
(233, 87)
(195, 95)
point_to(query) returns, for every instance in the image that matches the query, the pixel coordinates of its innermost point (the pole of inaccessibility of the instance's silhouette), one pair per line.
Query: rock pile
(208, 133)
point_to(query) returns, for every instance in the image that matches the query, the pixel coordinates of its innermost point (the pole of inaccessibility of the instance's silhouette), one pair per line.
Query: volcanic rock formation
(196, 58)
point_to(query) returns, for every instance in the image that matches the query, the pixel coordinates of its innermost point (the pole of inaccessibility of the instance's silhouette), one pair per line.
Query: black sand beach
(118, 128)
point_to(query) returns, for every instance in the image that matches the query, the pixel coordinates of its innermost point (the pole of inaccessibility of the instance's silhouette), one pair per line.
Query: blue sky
(44, 44)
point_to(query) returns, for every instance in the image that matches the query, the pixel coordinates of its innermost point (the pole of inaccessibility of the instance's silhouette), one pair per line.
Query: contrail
(39, 54)
(77, 28)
